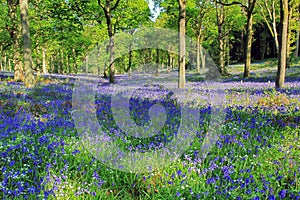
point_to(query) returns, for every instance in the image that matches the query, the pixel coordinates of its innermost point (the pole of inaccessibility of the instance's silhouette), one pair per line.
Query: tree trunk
(105, 72)
(248, 46)
(129, 60)
(284, 15)
(198, 54)
(181, 28)
(62, 66)
(98, 63)
(15, 37)
(108, 8)
(4, 62)
(169, 62)
(111, 61)
(44, 62)
(29, 77)
(202, 56)
(9, 65)
(75, 69)
(275, 31)
(242, 45)
(296, 54)
(157, 62)
(289, 33)
(68, 64)
(221, 55)
(86, 64)
(220, 22)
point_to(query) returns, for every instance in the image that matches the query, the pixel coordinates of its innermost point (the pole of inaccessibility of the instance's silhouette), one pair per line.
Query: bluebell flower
(271, 197)
(282, 194)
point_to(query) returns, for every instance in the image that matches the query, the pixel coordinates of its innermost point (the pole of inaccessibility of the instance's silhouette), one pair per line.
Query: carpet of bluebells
(256, 156)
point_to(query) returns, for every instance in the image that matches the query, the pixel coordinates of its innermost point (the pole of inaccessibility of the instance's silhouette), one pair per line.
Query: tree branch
(115, 6)
(232, 3)
(101, 5)
(251, 6)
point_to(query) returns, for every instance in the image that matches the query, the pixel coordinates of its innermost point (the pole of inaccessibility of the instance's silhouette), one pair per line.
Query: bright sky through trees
(154, 11)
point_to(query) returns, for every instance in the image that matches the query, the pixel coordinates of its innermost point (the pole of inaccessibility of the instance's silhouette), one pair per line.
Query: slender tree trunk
(44, 62)
(202, 56)
(129, 60)
(9, 65)
(62, 69)
(75, 69)
(284, 15)
(289, 33)
(172, 62)
(157, 62)
(275, 31)
(181, 28)
(248, 46)
(68, 64)
(111, 60)
(221, 55)
(4, 62)
(108, 8)
(169, 61)
(105, 73)
(86, 64)
(220, 22)
(29, 77)
(51, 64)
(242, 45)
(296, 54)
(98, 63)
(228, 50)
(1, 63)
(198, 54)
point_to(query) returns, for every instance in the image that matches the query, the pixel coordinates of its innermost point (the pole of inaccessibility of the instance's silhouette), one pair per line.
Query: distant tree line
(56, 36)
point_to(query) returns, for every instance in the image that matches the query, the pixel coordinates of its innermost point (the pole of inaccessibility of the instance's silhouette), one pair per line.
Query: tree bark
(75, 68)
(269, 8)
(202, 57)
(45, 71)
(157, 62)
(181, 57)
(220, 22)
(198, 54)
(296, 54)
(108, 8)
(284, 15)
(275, 31)
(98, 63)
(289, 32)
(4, 62)
(62, 62)
(68, 64)
(248, 46)
(29, 77)
(86, 64)
(15, 34)
(242, 45)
